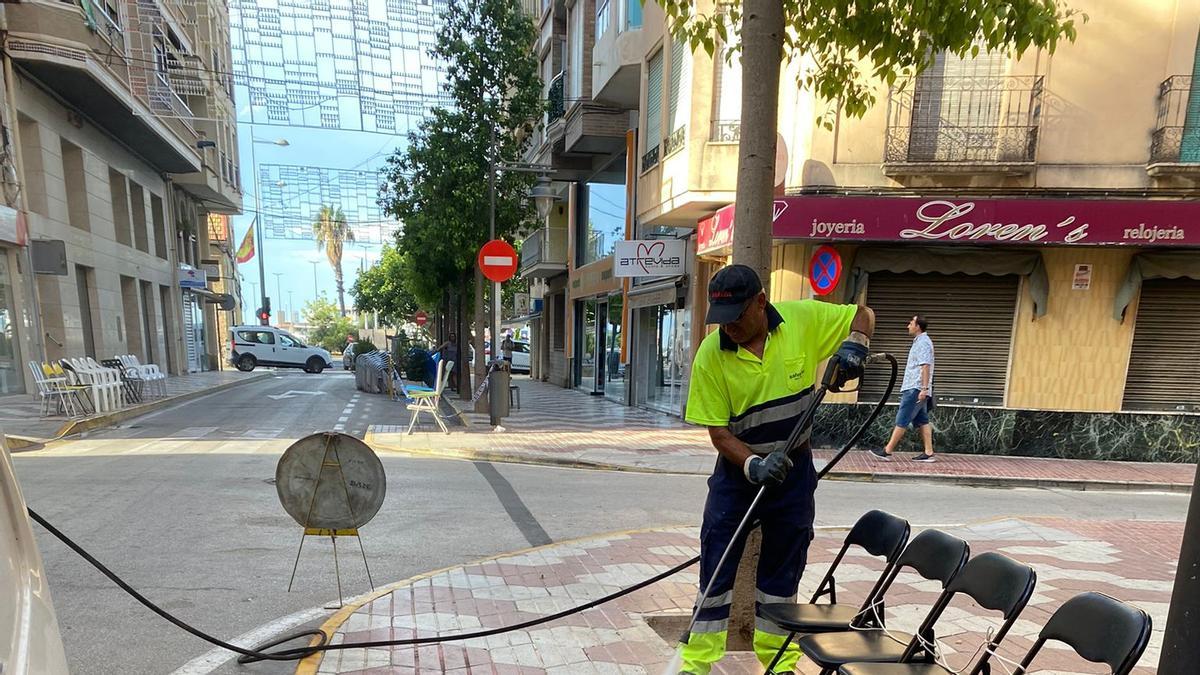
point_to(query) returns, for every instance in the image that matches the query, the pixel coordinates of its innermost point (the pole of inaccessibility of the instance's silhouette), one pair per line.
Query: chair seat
(831, 650)
(892, 669)
(809, 618)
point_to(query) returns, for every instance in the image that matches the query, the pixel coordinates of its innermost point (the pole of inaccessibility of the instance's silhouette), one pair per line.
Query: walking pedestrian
(916, 394)
(448, 351)
(751, 382)
(506, 348)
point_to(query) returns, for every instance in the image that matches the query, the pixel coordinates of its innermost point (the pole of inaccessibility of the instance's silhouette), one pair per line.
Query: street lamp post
(543, 196)
(315, 294)
(262, 276)
(278, 293)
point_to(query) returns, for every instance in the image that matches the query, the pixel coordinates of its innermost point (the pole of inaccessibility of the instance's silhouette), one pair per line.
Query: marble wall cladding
(1026, 433)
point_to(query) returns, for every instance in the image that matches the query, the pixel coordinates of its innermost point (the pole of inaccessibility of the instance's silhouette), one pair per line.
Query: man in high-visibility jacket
(751, 382)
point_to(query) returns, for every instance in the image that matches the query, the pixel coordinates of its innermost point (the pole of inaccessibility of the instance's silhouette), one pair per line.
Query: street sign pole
(492, 237)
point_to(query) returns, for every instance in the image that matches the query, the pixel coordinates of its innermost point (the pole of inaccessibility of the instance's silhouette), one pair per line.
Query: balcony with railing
(964, 125)
(1175, 144)
(725, 131)
(544, 253)
(555, 108)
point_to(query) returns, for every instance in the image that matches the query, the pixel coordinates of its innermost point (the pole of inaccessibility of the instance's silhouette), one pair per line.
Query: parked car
(254, 346)
(351, 352)
(520, 362)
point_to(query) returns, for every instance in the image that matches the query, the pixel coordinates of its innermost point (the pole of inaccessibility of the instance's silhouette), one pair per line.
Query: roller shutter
(970, 321)
(1163, 374)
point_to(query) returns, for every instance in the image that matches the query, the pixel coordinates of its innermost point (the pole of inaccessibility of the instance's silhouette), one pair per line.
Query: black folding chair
(934, 555)
(880, 534)
(131, 381)
(1100, 629)
(992, 580)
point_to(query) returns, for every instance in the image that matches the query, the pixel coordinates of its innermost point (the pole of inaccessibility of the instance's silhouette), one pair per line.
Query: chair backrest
(1100, 629)
(995, 582)
(935, 555)
(39, 376)
(443, 376)
(882, 535)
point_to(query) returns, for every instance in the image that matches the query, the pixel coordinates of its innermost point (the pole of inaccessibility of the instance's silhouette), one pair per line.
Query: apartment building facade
(1040, 212)
(122, 138)
(590, 64)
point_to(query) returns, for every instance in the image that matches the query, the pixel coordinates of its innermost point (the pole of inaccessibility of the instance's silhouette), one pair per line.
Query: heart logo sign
(645, 251)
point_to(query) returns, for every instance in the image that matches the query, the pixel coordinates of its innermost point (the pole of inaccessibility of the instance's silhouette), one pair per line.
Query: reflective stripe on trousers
(785, 515)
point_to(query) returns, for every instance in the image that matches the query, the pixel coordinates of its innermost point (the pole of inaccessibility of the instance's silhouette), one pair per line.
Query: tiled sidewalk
(558, 426)
(21, 415)
(1133, 561)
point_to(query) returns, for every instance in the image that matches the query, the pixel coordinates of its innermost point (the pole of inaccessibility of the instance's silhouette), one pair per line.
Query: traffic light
(264, 312)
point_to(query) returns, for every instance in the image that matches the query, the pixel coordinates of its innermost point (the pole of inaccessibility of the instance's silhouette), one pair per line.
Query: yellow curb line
(310, 664)
(508, 458)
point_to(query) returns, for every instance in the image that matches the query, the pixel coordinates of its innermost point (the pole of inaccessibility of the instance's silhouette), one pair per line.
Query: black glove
(851, 356)
(770, 470)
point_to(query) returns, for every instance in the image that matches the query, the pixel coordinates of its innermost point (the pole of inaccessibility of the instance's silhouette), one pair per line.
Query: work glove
(770, 470)
(851, 356)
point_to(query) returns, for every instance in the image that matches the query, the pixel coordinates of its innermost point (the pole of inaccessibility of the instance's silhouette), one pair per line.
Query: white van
(253, 346)
(30, 643)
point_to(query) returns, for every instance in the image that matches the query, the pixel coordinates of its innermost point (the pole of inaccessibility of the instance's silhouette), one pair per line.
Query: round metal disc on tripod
(330, 481)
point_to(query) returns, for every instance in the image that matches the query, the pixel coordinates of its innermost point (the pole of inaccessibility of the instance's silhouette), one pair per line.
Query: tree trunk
(762, 52)
(341, 290)
(481, 317)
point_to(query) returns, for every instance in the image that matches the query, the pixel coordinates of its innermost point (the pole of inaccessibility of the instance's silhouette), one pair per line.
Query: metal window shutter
(654, 86)
(1162, 371)
(1189, 150)
(728, 87)
(970, 321)
(678, 86)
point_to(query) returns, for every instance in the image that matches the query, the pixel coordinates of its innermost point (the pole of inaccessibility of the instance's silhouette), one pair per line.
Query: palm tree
(332, 232)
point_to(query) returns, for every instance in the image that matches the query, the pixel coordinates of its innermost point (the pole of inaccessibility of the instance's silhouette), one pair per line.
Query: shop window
(1168, 309)
(603, 224)
(558, 331)
(970, 322)
(10, 368)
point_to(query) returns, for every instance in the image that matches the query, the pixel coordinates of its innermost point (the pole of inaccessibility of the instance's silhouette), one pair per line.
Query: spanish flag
(246, 251)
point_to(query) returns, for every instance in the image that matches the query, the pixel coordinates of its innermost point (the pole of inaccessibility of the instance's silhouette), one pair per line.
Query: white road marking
(215, 658)
(192, 433)
(343, 418)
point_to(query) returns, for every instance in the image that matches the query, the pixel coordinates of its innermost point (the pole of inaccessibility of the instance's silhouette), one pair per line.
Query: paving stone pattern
(1133, 561)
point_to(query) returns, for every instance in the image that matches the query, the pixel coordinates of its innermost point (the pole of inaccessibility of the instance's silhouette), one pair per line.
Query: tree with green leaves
(387, 287)
(332, 232)
(328, 328)
(438, 185)
(847, 47)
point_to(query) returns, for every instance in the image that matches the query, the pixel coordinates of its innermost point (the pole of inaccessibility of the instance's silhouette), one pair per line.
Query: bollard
(499, 378)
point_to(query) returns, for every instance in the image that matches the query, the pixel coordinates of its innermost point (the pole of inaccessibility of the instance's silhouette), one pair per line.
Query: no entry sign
(824, 270)
(498, 260)
(421, 318)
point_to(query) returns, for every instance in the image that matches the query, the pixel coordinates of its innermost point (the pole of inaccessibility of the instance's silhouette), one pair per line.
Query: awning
(521, 319)
(225, 300)
(665, 292)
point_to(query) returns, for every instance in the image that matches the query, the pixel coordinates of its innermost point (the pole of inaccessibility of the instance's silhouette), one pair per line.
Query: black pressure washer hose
(257, 653)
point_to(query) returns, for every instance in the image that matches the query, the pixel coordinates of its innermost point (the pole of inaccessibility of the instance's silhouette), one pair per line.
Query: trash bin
(499, 378)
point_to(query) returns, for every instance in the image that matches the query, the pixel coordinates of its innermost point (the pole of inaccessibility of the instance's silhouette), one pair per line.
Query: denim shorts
(911, 410)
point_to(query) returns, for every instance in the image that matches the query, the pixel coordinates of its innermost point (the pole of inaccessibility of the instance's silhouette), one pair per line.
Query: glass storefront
(10, 365)
(614, 370)
(598, 367)
(663, 336)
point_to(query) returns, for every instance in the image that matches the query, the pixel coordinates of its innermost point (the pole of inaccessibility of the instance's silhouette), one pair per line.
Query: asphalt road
(181, 503)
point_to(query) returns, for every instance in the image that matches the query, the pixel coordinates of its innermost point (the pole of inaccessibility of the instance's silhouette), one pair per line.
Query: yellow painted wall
(1075, 357)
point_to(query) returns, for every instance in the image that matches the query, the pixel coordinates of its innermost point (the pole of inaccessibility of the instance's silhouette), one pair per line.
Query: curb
(848, 476)
(72, 427)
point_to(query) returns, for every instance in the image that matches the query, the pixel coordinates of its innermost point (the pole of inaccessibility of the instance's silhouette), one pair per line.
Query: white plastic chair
(150, 373)
(55, 390)
(104, 383)
(428, 401)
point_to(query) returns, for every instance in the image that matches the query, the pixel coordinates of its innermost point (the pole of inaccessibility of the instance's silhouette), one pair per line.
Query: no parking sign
(824, 270)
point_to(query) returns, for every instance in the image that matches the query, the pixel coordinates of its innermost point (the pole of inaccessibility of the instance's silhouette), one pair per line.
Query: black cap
(730, 290)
